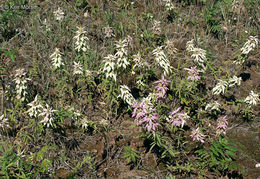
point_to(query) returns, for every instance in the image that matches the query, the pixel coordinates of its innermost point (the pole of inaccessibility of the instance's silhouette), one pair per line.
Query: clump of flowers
(48, 115)
(126, 95)
(161, 59)
(47, 26)
(3, 122)
(144, 114)
(220, 87)
(169, 5)
(178, 118)
(108, 32)
(234, 81)
(84, 123)
(78, 70)
(251, 44)
(193, 73)
(237, 6)
(109, 67)
(21, 80)
(197, 135)
(35, 107)
(156, 27)
(59, 14)
(222, 125)
(161, 88)
(212, 106)
(190, 45)
(170, 47)
(81, 40)
(129, 41)
(252, 99)
(139, 62)
(56, 59)
(198, 54)
(121, 54)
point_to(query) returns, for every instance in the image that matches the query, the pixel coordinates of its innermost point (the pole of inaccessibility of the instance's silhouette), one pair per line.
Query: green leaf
(230, 153)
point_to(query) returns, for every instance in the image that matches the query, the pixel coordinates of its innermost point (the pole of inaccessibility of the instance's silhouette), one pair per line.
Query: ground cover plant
(129, 89)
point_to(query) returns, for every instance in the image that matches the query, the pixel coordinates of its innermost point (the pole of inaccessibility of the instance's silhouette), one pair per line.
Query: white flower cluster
(56, 58)
(59, 14)
(234, 81)
(139, 62)
(121, 53)
(190, 45)
(252, 99)
(47, 25)
(212, 106)
(3, 122)
(222, 85)
(78, 70)
(48, 115)
(156, 27)
(81, 40)
(108, 32)
(170, 47)
(251, 43)
(161, 59)
(109, 67)
(169, 5)
(35, 107)
(84, 123)
(126, 95)
(21, 81)
(198, 54)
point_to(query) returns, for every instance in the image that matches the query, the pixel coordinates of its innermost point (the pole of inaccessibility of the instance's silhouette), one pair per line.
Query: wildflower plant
(59, 14)
(48, 114)
(121, 54)
(56, 58)
(162, 60)
(4, 123)
(108, 32)
(250, 45)
(126, 95)
(193, 73)
(252, 99)
(222, 125)
(145, 114)
(35, 107)
(178, 118)
(21, 81)
(77, 68)
(234, 81)
(212, 106)
(161, 88)
(197, 135)
(220, 87)
(199, 56)
(156, 27)
(109, 67)
(169, 5)
(81, 40)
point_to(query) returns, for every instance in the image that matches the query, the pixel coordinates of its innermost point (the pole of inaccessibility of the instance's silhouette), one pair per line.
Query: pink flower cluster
(161, 88)
(222, 125)
(144, 114)
(178, 118)
(193, 73)
(197, 135)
